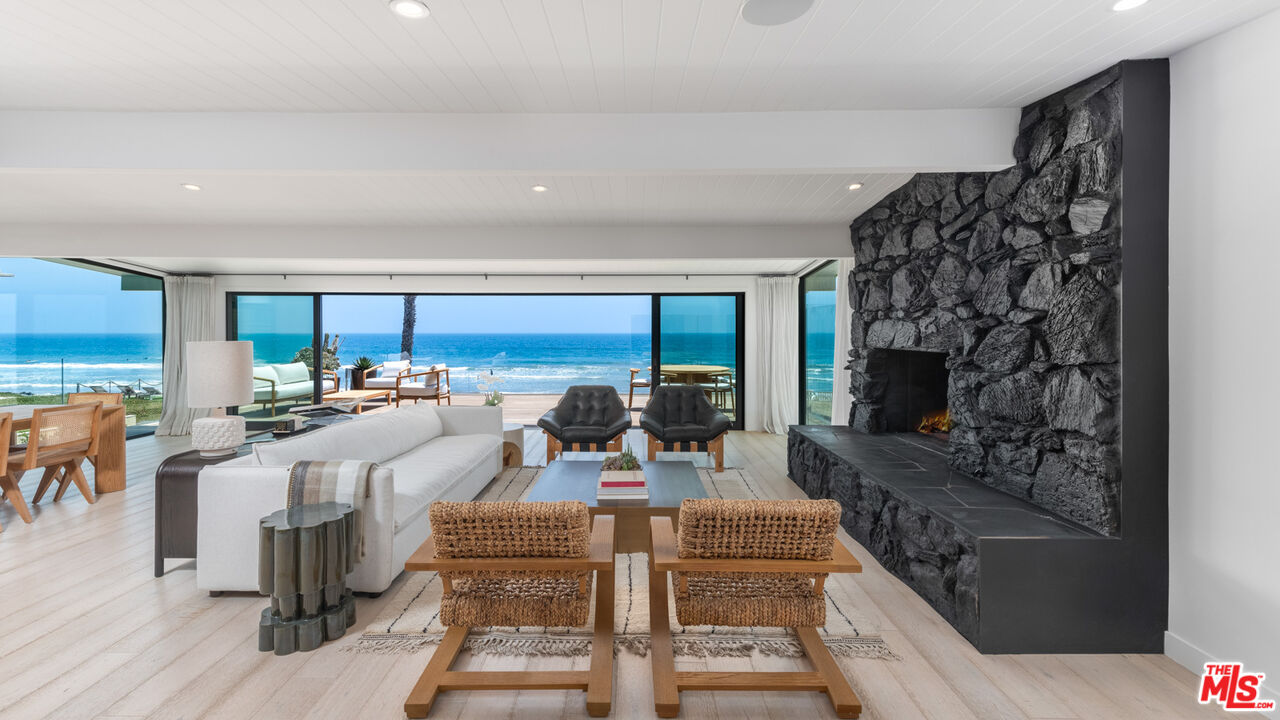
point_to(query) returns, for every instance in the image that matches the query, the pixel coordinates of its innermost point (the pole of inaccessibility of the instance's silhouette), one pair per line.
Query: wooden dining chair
(6, 434)
(512, 564)
(635, 382)
(60, 440)
(748, 563)
(106, 398)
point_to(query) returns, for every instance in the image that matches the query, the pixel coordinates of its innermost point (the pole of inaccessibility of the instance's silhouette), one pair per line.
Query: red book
(621, 483)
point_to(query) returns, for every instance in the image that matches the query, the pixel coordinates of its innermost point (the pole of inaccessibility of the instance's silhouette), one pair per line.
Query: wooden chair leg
(50, 473)
(653, 447)
(600, 675)
(14, 495)
(843, 698)
(716, 447)
(428, 686)
(553, 445)
(631, 396)
(82, 483)
(666, 696)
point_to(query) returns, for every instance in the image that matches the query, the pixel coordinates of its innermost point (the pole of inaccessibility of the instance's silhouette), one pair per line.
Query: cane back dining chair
(106, 398)
(6, 434)
(61, 439)
(748, 563)
(511, 564)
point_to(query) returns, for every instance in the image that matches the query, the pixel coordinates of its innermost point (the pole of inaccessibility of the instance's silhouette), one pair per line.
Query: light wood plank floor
(86, 631)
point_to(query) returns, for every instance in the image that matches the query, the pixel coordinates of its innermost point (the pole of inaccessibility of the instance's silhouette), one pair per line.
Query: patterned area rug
(410, 621)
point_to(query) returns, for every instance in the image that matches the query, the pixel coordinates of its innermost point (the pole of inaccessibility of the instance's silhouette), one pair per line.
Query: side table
(304, 555)
(512, 444)
(176, 477)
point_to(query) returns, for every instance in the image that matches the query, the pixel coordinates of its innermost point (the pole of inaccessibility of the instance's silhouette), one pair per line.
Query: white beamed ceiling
(574, 55)
(437, 200)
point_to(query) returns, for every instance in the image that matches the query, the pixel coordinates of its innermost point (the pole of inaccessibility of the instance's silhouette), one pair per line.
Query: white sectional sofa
(424, 453)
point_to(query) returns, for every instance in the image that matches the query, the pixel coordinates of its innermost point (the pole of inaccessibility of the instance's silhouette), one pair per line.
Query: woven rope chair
(511, 564)
(746, 563)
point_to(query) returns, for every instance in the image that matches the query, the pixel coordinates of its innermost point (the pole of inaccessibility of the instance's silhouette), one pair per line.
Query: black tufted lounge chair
(589, 418)
(680, 418)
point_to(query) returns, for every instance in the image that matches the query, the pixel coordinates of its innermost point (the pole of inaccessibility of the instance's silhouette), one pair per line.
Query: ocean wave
(80, 366)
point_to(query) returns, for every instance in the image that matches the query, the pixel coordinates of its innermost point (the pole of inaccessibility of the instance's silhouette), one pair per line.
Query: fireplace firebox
(915, 393)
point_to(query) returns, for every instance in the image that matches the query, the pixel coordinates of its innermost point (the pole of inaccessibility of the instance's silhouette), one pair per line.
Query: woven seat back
(84, 398)
(761, 529)
(511, 529)
(60, 432)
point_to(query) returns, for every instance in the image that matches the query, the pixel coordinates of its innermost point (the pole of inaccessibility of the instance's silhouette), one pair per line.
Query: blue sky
(448, 314)
(47, 297)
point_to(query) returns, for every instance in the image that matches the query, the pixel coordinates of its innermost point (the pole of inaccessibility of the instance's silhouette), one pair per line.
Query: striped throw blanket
(340, 481)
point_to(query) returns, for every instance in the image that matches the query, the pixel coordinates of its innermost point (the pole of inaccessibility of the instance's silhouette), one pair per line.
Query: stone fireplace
(1023, 303)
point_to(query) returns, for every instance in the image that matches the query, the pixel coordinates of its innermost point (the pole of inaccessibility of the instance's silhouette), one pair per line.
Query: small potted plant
(358, 369)
(622, 468)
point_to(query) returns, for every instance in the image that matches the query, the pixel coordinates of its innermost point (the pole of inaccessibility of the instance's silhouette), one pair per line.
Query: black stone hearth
(915, 384)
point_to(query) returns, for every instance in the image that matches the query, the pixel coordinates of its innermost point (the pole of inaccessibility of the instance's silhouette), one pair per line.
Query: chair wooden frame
(597, 681)
(826, 676)
(438, 396)
(715, 447)
(61, 462)
(556, 448)
(634, 383)
(6, 434)
(106, 398)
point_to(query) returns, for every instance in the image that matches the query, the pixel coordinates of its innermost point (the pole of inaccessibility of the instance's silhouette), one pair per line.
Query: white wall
(1224, 347)
(531, 284)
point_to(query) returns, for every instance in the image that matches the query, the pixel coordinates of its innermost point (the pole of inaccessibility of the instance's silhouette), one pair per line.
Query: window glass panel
(699, 346)
(71, 327)
(280, 328)
(818, 292)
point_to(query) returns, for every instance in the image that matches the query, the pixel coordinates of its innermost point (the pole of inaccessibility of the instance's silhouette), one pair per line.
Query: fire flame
(935, 422)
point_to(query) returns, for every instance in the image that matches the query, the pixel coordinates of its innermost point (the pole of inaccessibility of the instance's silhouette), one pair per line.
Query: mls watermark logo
(1231, 687)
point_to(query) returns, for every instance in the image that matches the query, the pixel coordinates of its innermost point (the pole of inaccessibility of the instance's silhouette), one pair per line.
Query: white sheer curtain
(189, 315)
(841, 398)
(777, 336)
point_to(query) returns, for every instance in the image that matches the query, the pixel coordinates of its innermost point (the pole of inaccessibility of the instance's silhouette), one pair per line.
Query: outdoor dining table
(108, 475)
(694, 374)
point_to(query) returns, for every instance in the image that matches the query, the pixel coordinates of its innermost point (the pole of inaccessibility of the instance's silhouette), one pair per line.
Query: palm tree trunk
(406, 330)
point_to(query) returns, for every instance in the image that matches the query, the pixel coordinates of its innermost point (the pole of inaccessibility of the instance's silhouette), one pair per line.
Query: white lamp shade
(219, 373)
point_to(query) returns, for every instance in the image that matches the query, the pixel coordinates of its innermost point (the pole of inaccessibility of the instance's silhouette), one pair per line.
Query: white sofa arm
(470, 420)
(233, 498)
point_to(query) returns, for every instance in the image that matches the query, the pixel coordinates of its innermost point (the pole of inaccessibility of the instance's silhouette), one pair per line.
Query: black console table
(176, 497)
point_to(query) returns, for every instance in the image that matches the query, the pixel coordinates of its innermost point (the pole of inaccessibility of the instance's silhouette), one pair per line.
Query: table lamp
(219, 374)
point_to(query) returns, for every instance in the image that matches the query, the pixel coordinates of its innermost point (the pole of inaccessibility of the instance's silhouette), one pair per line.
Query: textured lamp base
(217, 436)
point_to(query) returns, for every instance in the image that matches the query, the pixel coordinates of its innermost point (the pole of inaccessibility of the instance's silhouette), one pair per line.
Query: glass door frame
(803, 397)
(232, 332)
(740, 341)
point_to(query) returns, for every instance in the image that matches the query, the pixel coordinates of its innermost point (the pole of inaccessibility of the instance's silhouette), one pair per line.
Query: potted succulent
(358, 369)
(622, 468)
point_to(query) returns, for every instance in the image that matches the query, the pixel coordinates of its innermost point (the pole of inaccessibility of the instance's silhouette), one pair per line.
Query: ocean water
(528, 363)
(50, 363)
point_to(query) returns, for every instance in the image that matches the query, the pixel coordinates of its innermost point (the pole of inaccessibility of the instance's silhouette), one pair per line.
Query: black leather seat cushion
(682, 413)
(587, 414)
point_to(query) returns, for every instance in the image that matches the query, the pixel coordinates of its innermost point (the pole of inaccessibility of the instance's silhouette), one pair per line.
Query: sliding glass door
(282, 329)
(698, 341)
(817, 344)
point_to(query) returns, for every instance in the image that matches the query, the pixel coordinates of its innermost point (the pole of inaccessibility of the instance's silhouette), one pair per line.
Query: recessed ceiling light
(855, 186)
(190, 186)
(1128, 5)
(413, 9)
(539, 188)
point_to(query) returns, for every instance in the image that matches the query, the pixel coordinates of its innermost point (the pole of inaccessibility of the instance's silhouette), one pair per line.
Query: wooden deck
(87, 632)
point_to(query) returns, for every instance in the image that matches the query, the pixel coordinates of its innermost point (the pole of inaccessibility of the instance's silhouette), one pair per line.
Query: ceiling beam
(537, 242)
(834, 141)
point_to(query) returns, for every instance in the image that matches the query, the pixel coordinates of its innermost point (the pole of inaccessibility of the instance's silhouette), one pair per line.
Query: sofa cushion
(425, 474)
(264, 375)
(292, 373)
(378, 438)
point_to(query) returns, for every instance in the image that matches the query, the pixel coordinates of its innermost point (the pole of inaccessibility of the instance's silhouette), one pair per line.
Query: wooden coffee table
(670, 482)
(359, 396)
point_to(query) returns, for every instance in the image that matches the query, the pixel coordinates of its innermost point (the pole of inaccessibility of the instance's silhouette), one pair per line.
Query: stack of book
(622, 486)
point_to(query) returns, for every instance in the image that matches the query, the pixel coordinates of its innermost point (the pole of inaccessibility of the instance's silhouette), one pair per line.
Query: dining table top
(695, 369)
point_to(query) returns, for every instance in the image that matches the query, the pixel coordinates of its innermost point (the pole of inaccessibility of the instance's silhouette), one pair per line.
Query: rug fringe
(543, 646)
